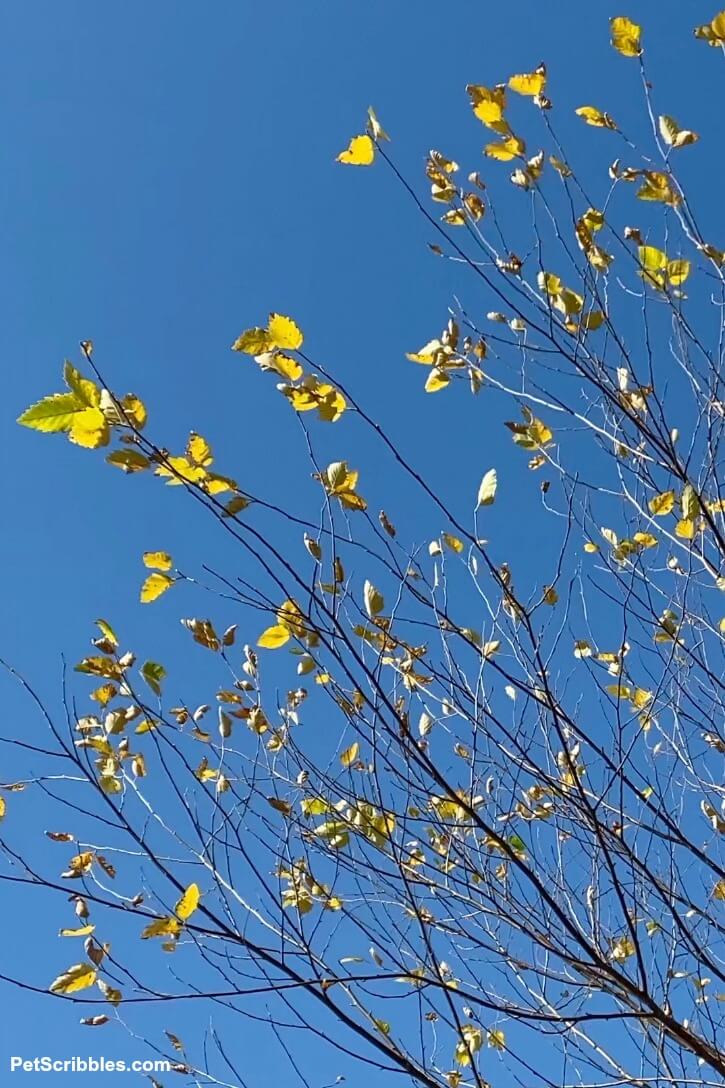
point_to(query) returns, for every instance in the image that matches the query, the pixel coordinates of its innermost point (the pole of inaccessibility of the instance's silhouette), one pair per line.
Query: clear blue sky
(167, 179)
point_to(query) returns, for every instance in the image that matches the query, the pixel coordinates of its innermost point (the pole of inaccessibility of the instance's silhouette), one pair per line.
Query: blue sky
(168, 178)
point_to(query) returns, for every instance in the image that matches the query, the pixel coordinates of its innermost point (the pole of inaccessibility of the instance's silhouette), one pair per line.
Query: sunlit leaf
(530, 84)
(154, 586)
(78, 977)
(487, 488)
(596, 117)
(188, 902)
(673, 135)
(359, 152)
(662, 504)
(158, 560)
(274, 637)
(626, 36)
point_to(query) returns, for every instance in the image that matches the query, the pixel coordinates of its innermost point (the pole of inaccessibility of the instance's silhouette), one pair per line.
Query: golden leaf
(188, 902)
(662, 504)
(596, 117)
(436, 380)
(273, 637)
(626, 36)
(284, 332)
(505, 150)
(158, 560)
(359, 152)
(154, 586)
(530, 84)
(349, 756)
(162, 927)
(78, 977)
(673, 135)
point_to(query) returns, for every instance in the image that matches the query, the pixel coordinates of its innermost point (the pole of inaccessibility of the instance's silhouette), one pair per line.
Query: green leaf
(85, 390)
(128, 460)
(153, 674)
(53, 414)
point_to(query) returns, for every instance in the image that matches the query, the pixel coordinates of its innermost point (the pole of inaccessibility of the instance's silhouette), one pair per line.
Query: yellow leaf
(640, 698)
(253, 342)
(591, 547)
(86, 390)
(374, 601)
(453, 542)
(90, 429)
(274, 637)
(622, 949)
(107, 631)
(487, 488)
(488, 106)
(198, 450)
(717, 25)
(84, 931)
(592, 321)
(673, 135)
(677, 272)
(154, 586)
(497, 1039)
(437, 380)
(158, 560)
(427, 354)
(471, 1042)
(714, 31)
(531, 84)
(110, 992)
(180, 469)
(349, 756)
(652, 259)
(596, 117)
(662, 504)
(593, 219)
(78, 977)
(284, 333)
(162, 927)
(286, 366)
(685, 529)
(134, 411)
(656, 186)
(188, 902)
(359, 152)
(626, 36)
(505, 150)
(454, 218)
